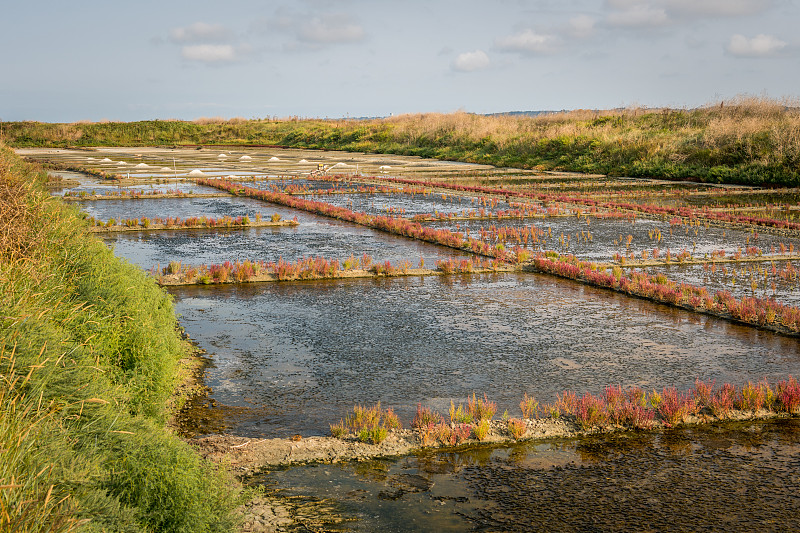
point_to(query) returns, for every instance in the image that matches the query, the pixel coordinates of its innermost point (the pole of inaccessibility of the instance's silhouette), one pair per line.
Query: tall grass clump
(88, 355)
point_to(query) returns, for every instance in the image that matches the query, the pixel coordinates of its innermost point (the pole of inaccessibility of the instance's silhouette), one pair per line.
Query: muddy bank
(134, 196)
(121, 228)
(247, 457)
(638, 263)
(175, 280)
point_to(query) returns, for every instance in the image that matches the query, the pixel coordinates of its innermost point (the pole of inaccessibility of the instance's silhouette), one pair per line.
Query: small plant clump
(675, 406)
(481, 430)
(425, 417)
(529, 407)
(481, 408)
(460, 414)
(369, 424)
(517, 428)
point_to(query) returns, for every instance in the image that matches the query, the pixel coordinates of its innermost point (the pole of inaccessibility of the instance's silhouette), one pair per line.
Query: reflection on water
(728, 477)
(725, 478)
(302, 354)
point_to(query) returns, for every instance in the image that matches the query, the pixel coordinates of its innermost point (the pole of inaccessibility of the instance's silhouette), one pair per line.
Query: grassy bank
(747, 140)
(88, 355)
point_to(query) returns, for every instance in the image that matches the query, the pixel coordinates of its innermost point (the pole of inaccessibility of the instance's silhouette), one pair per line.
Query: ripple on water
(308, 352)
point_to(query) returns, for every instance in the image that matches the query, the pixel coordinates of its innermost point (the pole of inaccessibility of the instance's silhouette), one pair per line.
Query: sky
(125, 61)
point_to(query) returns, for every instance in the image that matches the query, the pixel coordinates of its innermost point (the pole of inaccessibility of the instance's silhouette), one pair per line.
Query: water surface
(301, 354)
(727, 477)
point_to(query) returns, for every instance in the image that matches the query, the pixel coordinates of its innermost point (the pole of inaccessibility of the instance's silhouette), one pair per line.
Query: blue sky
(92, 60)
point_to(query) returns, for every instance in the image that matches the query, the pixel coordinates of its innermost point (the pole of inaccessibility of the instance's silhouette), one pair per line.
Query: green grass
(88, 354)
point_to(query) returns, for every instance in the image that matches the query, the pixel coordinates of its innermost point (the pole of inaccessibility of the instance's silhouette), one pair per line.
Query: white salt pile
(245, 158)
(196, 172)
(273, 158)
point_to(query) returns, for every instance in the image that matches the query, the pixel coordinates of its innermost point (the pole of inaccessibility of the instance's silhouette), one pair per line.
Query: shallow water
(300, 355)
(317, 239)
(314, 236)
(727, 477)
(398, 203)
(721, 278)
(570, 235)
(94, 185)
(183, 208)
(767, 198)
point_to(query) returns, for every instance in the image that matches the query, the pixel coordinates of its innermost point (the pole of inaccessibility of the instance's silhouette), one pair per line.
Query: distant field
(745, 141)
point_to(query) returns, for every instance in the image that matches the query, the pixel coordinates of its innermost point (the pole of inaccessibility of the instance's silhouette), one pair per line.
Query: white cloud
(759, 46)
(211, 44)
(528, 42)
(655, 13)
(200, 32)
(470, 61)
(210, 53)
(311, 31)
(638, 15)
(330, 29)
